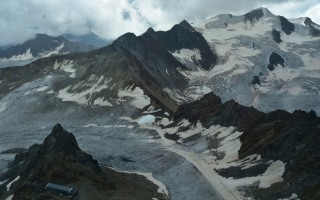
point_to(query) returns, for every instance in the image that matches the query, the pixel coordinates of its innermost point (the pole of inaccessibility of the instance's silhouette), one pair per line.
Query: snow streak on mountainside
(264, 61)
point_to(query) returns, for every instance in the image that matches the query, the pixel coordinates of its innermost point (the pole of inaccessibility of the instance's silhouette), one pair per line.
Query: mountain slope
(183, 37)
(129, 62)
(279, 135)
(248, 70)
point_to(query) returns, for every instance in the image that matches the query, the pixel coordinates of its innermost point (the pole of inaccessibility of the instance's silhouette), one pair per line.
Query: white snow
(108, 126)
(207, 171)
(162, 188)
(101, 102)
(3, 106)
(299, 20)
(96, 84)
(151, 110)
(273, 174)
(66, 65)
(139, 99)
(293, 197)
(9, 197)
(55, 51)
(25, 56)
(198, 161)
(197, 92)
(187, 54)
(1, 182)
(147, 119)
(43, 88)
(295, 90)
(174, 129)
(232, 30)
(230, 145)
(90, 125)
(226, 144)
(9, 184)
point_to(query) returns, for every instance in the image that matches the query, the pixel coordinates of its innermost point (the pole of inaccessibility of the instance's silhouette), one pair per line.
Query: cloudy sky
(21, 19)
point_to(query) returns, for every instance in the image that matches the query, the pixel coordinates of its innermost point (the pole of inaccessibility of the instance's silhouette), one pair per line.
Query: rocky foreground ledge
(59, 160)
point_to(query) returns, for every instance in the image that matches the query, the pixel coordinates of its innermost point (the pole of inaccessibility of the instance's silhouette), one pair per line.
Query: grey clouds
(22, 19)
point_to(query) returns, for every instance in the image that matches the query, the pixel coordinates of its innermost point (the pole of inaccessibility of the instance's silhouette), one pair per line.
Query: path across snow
(204, 168)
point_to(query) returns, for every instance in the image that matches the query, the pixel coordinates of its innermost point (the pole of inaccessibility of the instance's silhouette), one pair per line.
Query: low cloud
(21, 20)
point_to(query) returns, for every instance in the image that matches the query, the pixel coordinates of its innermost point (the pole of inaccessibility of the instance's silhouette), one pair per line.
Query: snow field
(227, 143)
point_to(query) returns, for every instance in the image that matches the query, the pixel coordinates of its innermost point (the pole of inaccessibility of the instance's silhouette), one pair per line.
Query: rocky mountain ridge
(60, 160)
(290, 137)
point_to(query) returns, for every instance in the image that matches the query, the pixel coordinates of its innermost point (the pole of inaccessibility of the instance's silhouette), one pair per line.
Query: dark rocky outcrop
(275, 60)
(254, 15)
(256, 80)
(286, 26)
(60, 160)
(291, 137)
(276, 36)
(184, 36)
(315, 32)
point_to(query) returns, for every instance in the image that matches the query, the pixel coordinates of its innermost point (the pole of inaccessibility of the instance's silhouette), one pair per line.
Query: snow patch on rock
(9, 184)
(9, 197)
(50, 53)
(21, 57)
(66, 65)
(161, 187)
(83, 97)
(139, 99)
(189, 55)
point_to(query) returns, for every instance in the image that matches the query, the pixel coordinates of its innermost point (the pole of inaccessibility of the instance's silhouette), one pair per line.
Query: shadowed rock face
(184, 36)
(286, 26)
(274, 60)
(61, 140)
(276, 36)
(291, 137)
(313, 31)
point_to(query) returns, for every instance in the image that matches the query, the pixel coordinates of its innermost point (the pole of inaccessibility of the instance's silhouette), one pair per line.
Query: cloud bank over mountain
(21, 20)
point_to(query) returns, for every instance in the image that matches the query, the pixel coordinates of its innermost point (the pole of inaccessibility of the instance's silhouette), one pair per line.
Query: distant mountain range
(87, 39)
(44, 45)
(227, 108)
